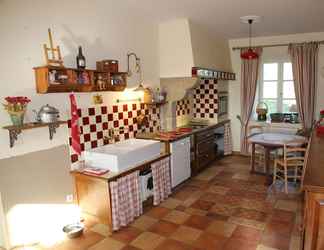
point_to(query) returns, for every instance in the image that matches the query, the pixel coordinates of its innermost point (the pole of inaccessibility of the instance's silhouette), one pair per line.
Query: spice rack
(14, 131)
(51, 79)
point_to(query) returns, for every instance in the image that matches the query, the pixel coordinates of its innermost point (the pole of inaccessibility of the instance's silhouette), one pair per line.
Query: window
(277, 87)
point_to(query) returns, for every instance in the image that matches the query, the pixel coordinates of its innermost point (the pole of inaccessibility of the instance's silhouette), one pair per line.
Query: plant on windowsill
(16, 107)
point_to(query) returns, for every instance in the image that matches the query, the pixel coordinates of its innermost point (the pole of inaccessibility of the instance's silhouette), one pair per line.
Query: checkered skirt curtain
(228, 146)
(161, 180)
(125, 200)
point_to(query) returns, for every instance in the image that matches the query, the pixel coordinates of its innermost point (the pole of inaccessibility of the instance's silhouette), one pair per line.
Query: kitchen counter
(195, 129)
(110, 176)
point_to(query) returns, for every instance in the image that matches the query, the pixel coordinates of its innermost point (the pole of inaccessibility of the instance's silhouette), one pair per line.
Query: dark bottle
(80, 60)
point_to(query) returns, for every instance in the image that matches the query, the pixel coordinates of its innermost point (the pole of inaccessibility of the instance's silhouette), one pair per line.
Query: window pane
(270, 89)
(289, 106)
(272, 105)
(288, 89)
(288, 75)
(270, 71)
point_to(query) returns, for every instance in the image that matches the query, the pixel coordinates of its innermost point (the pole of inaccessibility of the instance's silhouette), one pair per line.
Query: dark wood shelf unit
(69, 80)
(14, 131)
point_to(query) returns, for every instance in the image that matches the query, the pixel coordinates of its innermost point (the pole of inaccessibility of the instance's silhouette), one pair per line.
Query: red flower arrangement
(16, 104)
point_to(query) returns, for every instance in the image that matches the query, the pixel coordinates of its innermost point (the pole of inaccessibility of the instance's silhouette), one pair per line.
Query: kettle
(47, 114)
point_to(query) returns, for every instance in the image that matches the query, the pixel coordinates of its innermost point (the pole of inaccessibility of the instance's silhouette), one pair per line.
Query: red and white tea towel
(228, 146)
(75, 134)
(161, 180)
(125, 200)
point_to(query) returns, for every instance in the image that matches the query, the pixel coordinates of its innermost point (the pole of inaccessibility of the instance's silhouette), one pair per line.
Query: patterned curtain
(161, 180)
(125, 200)
(304, 58)
(249, 79)
(228, 145)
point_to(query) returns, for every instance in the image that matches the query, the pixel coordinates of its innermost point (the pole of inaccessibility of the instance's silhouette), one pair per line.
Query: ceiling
(222, 17)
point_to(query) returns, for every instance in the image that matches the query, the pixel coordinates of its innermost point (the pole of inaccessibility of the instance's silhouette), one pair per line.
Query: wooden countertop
(314, 176)
(155, 136)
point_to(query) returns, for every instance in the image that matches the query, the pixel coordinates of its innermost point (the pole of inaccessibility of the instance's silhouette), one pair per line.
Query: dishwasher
(180, 161)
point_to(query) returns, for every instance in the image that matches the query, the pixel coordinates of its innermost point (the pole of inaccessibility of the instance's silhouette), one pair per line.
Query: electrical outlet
(69, 198)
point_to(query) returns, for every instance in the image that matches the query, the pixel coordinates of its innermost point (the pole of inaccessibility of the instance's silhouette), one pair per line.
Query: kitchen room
(168, 101)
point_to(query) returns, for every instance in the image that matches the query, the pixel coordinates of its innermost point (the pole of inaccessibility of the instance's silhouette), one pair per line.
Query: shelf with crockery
(212, 73)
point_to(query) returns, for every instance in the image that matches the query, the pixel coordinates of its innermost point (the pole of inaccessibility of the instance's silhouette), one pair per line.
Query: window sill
(277, 124)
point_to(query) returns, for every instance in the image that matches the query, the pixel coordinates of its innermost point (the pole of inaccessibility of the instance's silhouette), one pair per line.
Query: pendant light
(250, 54)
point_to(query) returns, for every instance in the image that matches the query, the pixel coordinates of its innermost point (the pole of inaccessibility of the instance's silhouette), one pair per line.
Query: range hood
(184, 45)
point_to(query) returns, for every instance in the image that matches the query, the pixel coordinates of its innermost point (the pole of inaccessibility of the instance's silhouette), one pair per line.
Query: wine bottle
(80, 59)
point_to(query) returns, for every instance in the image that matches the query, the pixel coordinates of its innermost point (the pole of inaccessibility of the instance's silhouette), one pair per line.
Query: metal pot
(47, 114)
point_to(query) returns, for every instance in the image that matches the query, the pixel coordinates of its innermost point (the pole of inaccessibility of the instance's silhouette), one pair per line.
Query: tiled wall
(183, 107)
(94, 123)
(183, 111)
(205, 99)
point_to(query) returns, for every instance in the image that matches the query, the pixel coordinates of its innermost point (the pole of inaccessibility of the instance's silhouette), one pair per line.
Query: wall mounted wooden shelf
(50, 79)
(212, 73)
(14, 131)
(156, 103)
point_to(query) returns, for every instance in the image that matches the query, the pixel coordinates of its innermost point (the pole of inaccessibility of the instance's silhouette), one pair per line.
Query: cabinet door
(93, 197)
(314, 228)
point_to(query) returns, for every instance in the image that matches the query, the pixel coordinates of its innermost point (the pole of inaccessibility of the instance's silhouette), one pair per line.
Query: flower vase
(17, 118)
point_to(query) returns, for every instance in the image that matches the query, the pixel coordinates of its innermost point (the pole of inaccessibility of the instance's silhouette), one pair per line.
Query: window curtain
(125, 200)
(249, 79)
(304, 63)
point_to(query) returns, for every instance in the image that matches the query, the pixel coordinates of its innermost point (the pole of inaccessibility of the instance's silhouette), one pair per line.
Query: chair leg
(296, 174)
(274, 172)
(286, 180)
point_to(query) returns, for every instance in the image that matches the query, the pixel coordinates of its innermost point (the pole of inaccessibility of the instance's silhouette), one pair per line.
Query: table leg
(267, 164)
(253, 159)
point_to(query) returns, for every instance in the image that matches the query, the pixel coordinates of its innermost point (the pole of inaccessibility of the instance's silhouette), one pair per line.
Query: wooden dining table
(271, 142)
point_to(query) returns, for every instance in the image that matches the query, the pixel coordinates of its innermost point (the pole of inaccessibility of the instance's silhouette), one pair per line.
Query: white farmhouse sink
(122, 155)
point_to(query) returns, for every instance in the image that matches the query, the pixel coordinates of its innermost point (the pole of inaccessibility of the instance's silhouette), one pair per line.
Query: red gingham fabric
(161, 180)
(228, 146)
(125, 200)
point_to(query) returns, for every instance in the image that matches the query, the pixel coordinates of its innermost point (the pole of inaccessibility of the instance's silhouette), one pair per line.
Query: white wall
(105, 30)
(269, 54)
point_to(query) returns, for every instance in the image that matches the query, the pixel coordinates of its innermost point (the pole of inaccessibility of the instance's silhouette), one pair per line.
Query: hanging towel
(125, 200)
(161, 180)
(75, 134)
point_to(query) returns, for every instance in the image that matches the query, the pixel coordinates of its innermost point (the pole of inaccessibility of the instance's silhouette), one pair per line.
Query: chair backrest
(295, 151)
(306, 159)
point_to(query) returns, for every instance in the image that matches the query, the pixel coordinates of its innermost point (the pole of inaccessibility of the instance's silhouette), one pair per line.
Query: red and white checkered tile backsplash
(95, 122)
(205, 99)
(183, 107)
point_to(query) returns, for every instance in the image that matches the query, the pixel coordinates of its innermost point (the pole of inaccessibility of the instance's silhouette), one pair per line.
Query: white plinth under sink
(123, 155)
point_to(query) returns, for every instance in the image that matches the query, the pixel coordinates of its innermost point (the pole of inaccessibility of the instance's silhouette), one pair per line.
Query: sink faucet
(112, 135)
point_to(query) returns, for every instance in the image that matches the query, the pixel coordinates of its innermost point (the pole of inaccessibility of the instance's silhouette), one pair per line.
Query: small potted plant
(16, 107)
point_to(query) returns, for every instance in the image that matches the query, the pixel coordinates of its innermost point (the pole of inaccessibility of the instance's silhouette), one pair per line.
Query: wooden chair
(295, 159)
(259, 150)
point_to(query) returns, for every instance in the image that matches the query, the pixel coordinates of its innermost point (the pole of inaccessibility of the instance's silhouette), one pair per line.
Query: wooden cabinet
(93, 197)
(51, 79)
(314, 197)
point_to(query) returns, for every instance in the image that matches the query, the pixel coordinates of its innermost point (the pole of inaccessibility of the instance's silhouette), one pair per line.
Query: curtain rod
(269, 46)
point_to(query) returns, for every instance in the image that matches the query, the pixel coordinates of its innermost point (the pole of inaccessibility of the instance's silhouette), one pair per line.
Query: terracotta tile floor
(224, 207)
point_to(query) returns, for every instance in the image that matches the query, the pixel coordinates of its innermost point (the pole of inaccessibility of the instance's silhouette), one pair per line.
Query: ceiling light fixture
(250, 54)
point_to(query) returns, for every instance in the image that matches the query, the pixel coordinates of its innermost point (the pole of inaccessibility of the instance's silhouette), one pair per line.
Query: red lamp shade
(249, 54)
